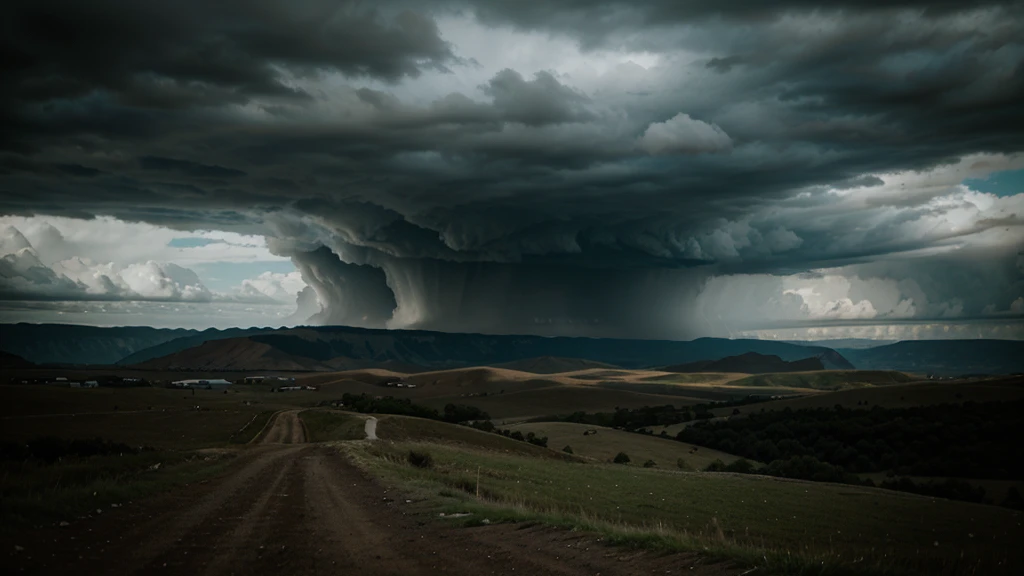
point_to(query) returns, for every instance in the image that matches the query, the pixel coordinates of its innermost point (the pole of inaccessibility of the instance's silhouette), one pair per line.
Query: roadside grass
(608, 442)
(327, 425)
(253, 428)
(35, 493)
(783, 526)
(826, 380)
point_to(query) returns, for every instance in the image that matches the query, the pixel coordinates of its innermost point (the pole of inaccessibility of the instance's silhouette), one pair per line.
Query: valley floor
(294, 508)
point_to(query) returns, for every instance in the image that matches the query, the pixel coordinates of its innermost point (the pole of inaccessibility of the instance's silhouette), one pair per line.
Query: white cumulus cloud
(684, 135)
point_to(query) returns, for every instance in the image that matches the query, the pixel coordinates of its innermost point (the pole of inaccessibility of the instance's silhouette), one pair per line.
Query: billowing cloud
(597, 167)
(681, 134)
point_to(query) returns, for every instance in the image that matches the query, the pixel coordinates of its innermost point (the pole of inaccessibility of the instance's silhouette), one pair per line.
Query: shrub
(421, 459)
(567, 450)
(681, 464)
(650, 464)
(716, 466)
(621, 458)
(742, 466)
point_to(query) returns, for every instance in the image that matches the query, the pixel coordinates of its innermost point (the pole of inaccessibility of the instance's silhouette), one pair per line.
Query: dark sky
(640, 169)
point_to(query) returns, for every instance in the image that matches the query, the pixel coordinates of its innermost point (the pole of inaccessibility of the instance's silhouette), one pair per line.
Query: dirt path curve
(286, 428)
(303, 509)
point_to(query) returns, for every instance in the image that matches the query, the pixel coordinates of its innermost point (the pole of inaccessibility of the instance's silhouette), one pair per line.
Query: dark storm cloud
(295, 120)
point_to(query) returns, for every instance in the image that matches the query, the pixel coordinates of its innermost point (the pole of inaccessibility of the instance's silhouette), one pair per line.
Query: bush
(681, 464)
(461, 413)
(1013, 499)
(421, 459)
(567, 450)
(650, 464)
(742, 466)
(621, 458)
(716, 466)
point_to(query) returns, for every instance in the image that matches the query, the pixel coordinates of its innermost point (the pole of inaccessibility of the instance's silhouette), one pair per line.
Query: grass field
(329, 425)
(825, 380)
(35, 493)
(903, 395)
(560, 400)
(784, 526)
(608, 442)
(404, 428)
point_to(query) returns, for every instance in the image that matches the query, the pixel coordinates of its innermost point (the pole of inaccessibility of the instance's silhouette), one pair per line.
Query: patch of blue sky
(192, 242)
(226, 276)
(1005, 183)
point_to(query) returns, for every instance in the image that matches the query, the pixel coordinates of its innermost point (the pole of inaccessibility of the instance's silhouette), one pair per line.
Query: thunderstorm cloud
(597, 167)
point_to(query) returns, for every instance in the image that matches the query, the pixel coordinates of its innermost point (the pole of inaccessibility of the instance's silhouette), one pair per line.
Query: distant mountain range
(754, 363)
(337, 347)
(942, 357)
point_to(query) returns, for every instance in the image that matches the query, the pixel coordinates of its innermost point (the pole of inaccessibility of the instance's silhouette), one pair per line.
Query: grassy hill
(902, 395)
(826, 379)
(608, 442)
(553, 365)
(776, 526)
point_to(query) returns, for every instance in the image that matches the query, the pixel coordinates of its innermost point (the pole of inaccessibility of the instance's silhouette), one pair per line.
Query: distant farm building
(214, 384)
(262, 379)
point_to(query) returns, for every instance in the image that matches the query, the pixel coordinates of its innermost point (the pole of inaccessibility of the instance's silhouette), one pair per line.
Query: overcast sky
(652, 169)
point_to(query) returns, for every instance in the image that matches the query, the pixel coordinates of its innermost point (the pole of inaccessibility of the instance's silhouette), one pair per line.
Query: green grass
(787, 526)
(36, 493)
(402, 428)
(560, 399)
(608, 442)
(826, 380)
(328, 425)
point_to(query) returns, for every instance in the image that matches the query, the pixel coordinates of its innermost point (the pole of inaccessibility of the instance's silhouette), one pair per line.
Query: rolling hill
(553, 365)
(946, 357)
(754, 363)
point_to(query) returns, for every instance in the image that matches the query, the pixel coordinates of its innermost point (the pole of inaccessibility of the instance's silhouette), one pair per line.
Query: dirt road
(286, 428)
(303, 509)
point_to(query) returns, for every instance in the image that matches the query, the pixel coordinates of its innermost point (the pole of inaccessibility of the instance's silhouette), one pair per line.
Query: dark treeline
(810, 468)
(454, 413)
(530, 437)
(969, 440)
(634, 419)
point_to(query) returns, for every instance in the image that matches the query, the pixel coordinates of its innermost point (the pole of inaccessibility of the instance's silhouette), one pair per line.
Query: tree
(621, 458)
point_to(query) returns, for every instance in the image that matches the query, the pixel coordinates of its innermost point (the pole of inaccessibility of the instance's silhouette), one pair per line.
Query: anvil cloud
(593, 167)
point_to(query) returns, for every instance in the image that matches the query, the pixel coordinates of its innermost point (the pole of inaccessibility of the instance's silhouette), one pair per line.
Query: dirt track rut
(303, 509)
(285, 429)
